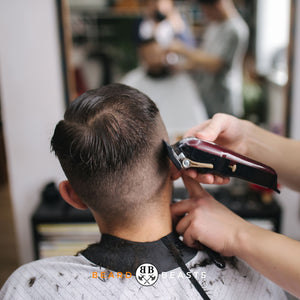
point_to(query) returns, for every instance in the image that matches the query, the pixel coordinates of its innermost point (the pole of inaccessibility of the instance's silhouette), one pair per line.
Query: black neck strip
(121, 255)
(176, 254)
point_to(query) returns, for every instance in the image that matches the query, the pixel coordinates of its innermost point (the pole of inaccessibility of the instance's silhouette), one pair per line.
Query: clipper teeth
(173, 155)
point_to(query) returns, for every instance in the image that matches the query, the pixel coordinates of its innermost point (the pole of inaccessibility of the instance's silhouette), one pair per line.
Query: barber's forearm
(275, 256)
(199, 58)
(279, 152)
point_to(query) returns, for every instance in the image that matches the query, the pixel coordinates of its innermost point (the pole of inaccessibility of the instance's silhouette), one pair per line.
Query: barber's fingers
(214, 128)
(213, 179)
(177, 46)
(197, 128)
(188, 228)
(183, 224)
(211, 129)
(194, 189)
(191, 238)
(221, 180)
(206, 178)
(181, 208)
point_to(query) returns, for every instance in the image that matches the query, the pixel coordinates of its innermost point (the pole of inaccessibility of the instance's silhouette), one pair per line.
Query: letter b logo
(146, 274)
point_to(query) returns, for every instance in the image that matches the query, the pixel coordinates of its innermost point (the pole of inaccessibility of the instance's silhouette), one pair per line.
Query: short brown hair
(110, 148)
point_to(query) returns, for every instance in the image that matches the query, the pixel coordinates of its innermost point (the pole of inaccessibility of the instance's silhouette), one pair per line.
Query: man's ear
(70, 196)
(174, 172)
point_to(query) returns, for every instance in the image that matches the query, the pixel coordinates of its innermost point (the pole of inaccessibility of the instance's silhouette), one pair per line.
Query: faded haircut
(110, 148)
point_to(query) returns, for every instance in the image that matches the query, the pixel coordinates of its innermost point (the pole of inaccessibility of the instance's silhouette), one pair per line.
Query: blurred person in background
(164, 22)
(219, 60)
(175, 93)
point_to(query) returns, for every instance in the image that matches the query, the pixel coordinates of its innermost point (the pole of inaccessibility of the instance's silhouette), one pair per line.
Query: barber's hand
(178, 47)
(203, 219)
(225, 130)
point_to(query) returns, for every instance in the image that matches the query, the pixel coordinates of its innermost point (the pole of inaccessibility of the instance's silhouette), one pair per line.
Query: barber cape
(119, 269)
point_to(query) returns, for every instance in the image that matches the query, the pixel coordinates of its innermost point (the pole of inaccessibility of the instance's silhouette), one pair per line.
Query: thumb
(194, 189)
(211, 131)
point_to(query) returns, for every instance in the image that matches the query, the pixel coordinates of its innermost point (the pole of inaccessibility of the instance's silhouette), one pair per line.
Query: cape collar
(121, 255)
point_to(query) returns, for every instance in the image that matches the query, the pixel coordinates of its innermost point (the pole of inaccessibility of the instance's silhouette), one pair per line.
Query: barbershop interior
(52, 51)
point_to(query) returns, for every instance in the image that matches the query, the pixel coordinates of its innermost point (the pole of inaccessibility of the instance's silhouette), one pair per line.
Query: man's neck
(150, 225)
(227, 11)
(146, 228)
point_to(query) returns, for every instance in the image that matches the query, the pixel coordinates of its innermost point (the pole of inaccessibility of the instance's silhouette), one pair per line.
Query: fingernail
(202, 136)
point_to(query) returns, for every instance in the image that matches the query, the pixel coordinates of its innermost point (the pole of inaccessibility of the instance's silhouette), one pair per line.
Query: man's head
(110, 148)
(216, 10)
(159, 9)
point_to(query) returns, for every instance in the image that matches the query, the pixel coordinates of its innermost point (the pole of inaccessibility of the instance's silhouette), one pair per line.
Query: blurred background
(51, 51)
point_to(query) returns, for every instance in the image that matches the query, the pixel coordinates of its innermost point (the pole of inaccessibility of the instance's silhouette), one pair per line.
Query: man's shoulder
(43, 275)
(236, 281)
(236, 26)
(54, 262)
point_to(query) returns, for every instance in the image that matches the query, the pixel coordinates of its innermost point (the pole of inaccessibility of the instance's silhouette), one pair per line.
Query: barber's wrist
(245, 240)
(249, 138)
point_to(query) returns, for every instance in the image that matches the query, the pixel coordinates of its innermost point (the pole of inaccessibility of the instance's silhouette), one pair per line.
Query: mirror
(99, 47)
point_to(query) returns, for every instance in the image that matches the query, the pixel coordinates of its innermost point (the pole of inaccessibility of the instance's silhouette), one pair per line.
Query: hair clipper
(208, 157)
